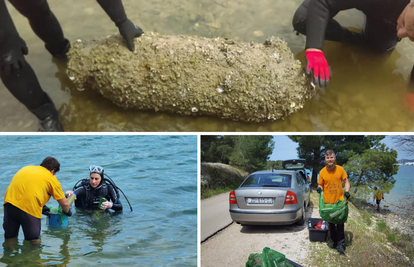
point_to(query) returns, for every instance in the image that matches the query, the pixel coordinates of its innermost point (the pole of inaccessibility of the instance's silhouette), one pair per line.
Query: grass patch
(366, 217)
(381, 226)
(402, 242)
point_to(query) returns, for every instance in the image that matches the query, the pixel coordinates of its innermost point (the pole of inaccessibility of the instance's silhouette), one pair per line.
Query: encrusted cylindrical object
(193, 75)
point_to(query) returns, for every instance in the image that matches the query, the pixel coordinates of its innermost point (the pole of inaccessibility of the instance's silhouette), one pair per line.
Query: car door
(301, 186)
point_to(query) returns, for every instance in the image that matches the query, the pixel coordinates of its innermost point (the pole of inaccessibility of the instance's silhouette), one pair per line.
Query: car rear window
(268, 180)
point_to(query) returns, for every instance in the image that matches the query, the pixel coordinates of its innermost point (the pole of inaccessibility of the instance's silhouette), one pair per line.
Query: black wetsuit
(16, 74)
(314, 18)
(89, 197)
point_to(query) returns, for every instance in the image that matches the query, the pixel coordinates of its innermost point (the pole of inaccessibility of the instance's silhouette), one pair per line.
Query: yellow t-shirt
(378, 194)
(332, 184)
(31, 188)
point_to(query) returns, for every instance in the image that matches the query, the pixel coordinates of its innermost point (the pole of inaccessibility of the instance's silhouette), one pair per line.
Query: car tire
(303, 218)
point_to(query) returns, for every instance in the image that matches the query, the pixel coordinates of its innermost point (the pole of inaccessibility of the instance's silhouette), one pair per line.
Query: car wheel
(303, 218)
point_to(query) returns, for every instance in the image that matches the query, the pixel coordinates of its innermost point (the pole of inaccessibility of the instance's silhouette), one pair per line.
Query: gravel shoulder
(233, 245)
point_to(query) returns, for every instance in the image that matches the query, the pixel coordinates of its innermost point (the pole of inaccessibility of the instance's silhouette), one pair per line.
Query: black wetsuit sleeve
(320, 12)
(6, 22)
(80, 192)
(411, 82)
(116, 202)
(115, 10)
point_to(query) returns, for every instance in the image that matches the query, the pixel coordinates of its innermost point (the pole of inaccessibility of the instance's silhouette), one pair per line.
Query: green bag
(336, 213)
(269, 258)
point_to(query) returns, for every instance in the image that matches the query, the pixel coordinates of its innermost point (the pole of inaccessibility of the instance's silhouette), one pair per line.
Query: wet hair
(329, 152)
(51, 164)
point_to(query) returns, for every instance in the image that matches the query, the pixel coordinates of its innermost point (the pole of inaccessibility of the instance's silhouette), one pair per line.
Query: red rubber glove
(409, 102)
(318, 66)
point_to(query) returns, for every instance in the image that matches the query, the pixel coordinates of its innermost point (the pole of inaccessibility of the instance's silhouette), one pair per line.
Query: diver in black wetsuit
(16, 73)
(387, 21)
(89, 194)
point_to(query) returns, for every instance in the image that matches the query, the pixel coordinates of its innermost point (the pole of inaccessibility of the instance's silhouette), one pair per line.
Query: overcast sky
(286, 148)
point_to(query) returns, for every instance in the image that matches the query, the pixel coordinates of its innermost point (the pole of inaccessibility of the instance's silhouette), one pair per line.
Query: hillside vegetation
(217, 178)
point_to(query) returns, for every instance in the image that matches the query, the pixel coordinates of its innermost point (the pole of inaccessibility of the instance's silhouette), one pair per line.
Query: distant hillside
(405, 160)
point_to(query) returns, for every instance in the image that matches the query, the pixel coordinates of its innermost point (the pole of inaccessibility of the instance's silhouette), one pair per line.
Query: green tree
(225, 148)
(216, 148)
(313, 147)
(251, 151)
(275, 164)
(374, 167)
(346, 146)
(208, 147)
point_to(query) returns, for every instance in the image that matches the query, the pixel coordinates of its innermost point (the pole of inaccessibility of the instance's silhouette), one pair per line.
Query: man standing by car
(29, 190)
(330, 182)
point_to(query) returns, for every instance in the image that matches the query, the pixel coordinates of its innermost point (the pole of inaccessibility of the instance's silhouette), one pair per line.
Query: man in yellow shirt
(330, 182)
(378, 195)
(29, 190)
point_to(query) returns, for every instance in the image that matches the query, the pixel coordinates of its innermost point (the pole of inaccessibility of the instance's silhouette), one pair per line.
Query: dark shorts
(378, 201)
(14, 217)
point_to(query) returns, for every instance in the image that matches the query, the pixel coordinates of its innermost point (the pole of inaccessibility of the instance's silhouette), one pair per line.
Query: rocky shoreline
(404, 223)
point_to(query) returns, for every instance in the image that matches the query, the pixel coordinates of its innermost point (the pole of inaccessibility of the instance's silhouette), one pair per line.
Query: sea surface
(158, 175)
(403, 189)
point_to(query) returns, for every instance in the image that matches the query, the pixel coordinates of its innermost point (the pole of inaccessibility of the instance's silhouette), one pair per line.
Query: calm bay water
(158, 174)
(404, 187)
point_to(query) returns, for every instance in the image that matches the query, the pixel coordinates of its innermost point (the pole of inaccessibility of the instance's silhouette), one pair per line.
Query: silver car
(274, 197)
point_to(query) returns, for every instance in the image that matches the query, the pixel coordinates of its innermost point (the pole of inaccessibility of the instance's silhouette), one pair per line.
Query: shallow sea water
(402, 191)
(366, 92)
(158, 175)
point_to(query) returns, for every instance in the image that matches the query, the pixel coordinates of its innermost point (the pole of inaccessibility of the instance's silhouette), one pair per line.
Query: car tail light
(233, 197)
(291, 198)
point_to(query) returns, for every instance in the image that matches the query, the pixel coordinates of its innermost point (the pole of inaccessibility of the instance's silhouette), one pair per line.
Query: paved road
(214, 215)
(232, 246)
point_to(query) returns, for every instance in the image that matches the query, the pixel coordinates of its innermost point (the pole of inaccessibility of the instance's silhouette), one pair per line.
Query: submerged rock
(193, 76)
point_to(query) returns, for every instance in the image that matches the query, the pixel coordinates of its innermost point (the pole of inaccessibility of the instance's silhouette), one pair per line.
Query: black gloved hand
(12, 51)
(46, 210)
(347, 195)
(319, 190)
(69, 213)
(129, 31)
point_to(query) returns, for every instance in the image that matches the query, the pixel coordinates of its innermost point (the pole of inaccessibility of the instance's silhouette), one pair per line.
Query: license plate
(259, 200)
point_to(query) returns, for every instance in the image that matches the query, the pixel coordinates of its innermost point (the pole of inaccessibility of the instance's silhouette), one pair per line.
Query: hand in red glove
(409, 101)
(317, 66)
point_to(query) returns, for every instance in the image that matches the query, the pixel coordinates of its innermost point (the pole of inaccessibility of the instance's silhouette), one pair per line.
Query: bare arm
(64, 203)
(347, 185)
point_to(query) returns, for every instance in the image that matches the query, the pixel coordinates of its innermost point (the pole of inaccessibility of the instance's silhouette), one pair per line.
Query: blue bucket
(58, 220)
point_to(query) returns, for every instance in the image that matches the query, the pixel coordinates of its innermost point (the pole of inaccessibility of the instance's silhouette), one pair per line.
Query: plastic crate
(316, 235)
